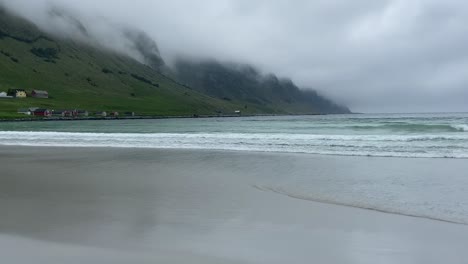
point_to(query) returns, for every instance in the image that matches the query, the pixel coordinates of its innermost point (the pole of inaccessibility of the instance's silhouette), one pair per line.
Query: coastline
(49, 119)
(97, 201)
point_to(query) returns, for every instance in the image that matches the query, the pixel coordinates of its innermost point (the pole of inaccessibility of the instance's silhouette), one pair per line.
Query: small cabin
(18, 93)
(81, 113)
(114, 114)
(129, 113)
(42, 112)
(24, 111)
(4, 95)
(62, 113)
(39, 94)
(101, 114)
(58, 113)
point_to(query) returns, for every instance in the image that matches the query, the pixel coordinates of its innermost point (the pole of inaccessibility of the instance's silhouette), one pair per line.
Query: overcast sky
(374, 56)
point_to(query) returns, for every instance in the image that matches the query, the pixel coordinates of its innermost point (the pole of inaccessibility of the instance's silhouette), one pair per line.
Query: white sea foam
(452, 146)
(461, 127)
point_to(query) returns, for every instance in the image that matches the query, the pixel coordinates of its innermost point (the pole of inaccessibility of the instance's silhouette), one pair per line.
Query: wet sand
(102, 205)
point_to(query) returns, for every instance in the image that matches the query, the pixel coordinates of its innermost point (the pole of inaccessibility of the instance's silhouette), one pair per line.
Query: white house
(5, 95)
(25, 111)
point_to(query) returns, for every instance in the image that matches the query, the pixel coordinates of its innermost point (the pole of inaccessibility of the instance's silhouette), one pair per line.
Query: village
(63, 113)
(40, 113)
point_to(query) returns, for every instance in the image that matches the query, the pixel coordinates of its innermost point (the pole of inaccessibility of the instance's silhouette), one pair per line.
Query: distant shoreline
(50, 119)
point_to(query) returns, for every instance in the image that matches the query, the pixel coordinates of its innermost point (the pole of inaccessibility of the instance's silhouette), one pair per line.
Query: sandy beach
(112, 205)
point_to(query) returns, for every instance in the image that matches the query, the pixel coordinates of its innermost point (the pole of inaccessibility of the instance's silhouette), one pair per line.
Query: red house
(42, 112)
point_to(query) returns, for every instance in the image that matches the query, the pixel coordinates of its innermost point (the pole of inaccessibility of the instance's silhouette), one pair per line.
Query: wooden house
(39, 94)
(24, 111)
(101, 114)
(4, 95)
(18, 93)
(62, 113)
(42, 112)
(81, 113)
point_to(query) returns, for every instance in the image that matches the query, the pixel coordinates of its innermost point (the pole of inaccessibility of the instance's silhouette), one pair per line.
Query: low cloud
(374, 56)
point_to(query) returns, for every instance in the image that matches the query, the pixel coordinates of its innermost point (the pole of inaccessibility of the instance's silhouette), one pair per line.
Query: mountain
(78, 74)
(244, 84)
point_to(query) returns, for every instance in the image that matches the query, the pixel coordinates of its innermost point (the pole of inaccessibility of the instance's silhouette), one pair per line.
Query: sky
(373, 56)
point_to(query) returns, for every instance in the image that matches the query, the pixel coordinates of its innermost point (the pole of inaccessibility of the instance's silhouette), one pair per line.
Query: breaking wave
(413, 128)
(418, 146)
(461, 127)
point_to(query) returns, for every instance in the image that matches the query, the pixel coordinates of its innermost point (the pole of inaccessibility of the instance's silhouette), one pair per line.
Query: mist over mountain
(245, 83)
(231, 83)
(78, 75)
(146, 47)
(102, 33)
(61, 17)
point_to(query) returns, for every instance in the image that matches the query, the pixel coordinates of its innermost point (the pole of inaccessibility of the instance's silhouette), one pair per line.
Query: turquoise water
(392, 135)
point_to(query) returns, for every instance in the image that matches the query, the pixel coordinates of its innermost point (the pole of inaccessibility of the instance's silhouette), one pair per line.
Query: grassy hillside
(79, 76)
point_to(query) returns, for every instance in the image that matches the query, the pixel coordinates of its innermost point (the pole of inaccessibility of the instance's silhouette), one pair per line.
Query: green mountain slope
(79, 76)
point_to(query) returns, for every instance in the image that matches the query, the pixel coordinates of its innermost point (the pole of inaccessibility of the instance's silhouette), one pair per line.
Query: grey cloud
(377, 56)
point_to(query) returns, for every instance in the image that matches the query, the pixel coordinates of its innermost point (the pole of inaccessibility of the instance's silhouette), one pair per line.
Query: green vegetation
(81, 77)
(49, 54)
(13, 115)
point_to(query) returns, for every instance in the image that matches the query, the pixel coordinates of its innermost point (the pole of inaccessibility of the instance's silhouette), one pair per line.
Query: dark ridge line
(24, 40)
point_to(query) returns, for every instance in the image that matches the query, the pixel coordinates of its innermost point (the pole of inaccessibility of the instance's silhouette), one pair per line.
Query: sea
(361, 188)
(380, 135)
